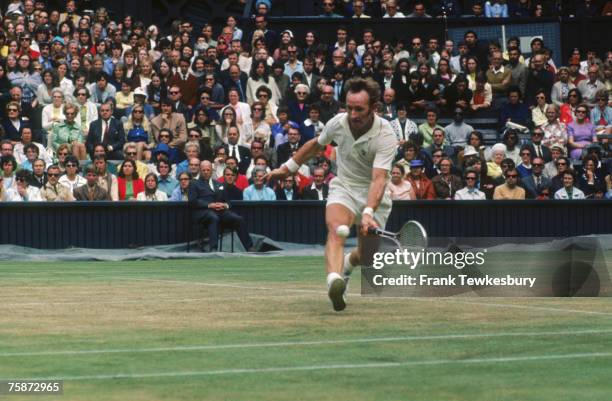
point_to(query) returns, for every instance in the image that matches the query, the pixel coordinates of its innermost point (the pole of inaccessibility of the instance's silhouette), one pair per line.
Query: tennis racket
(412, 236)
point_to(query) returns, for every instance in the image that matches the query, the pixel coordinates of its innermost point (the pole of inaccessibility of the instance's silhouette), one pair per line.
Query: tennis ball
(343, 231)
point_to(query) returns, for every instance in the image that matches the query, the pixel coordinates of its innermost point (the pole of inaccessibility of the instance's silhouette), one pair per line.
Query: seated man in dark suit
(91, 191)
(319, 189)
(230, 192)
(211, 209)
(107, 131)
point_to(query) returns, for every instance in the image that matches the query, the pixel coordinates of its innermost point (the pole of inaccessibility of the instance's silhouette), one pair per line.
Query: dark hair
(355, 85)
(402, 169)
(134, 173)
(9, 159)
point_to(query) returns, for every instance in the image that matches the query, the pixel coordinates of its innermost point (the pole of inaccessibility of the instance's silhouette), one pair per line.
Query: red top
(137, 187)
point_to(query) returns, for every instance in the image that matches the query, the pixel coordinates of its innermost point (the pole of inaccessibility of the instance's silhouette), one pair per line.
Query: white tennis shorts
(355, 199)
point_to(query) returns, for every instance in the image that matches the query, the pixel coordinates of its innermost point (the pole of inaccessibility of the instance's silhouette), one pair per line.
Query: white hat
(139, 91)
(469, 150)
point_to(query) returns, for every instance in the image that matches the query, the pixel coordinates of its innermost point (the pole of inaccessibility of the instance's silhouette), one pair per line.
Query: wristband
(291, 165)
(369, 211)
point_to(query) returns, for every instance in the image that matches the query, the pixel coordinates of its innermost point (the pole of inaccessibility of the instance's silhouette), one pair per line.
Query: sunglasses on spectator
(538, 165)
(70, 113)
(20, 179)
(525, 154)
(174, 92)
(512, 176)
(16, 110)
(301, 93)
(470, 178)
(184, 179)
(164, 136)
(63, 154)
(130, 153)
(53, 174)
(257, 109)
(205, 98)
(71, 165)
(561, 163)
(137, 111)
(262, 95)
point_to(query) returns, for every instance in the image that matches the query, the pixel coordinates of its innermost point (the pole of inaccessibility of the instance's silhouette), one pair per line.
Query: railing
(131, 224)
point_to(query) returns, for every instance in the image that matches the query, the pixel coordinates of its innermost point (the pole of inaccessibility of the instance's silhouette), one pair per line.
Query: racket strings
(411, 236)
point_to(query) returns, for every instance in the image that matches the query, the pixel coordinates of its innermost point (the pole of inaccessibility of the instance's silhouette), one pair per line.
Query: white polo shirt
(357, 158)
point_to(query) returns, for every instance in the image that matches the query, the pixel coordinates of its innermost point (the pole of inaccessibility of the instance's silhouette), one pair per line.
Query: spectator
(446, 184)
(562, 164)
(601, 113)
(318, 190)
(402, 126)
(515, 110)
(101, 91)
(72, 180)
(69, 132)
(129, 184)
(108, 131)
(258, 191)
(329, 10)
(457, 132)
(510, 189)
(327, 104)
(22, 191)
(210, 209)
(13, 124)
(591, 182)
(525, 167)
(91, 191)
(19, 149)
(392, 10)
(419, 11)
(230, 189)
(181, 192)
(171, 120)
(88, 112)
(431, 123)
(580, 132)
(398, 187)
(589, 87)
(555, 132)
(568, 110)
(39, 176)
(496, 9)
(439, 143)
(539, 78)
(422, 186)
(288, 189)
(538, 112)
(482, 97)
(151, 191)
(569, 191)
(166, 183)
(53, 191)
(562, 87)
(470, 191)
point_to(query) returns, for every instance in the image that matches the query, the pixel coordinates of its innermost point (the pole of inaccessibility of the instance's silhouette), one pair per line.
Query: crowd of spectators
(101, 109)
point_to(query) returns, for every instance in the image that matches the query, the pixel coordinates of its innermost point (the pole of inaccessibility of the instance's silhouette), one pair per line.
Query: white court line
(286, 369)
(307, 343)
(148, 301)
(450, 300)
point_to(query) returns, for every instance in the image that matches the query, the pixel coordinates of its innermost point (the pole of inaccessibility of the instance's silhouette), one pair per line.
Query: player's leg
(336, 215)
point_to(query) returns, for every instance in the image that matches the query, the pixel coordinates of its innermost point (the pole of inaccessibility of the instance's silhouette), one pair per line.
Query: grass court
(263, 329)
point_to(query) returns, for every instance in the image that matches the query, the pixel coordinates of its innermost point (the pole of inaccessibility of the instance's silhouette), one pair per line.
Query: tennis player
(366, 146)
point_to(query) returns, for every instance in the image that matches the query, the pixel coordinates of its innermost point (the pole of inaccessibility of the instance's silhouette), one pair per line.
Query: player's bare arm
(305, 153)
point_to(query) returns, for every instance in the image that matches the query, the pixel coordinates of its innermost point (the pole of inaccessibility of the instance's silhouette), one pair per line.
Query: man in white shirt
(470, 192)
(392, 11)
(365, 150)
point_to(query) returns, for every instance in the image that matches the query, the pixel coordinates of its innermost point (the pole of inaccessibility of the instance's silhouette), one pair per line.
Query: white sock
(348, 267)
(331, 277)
